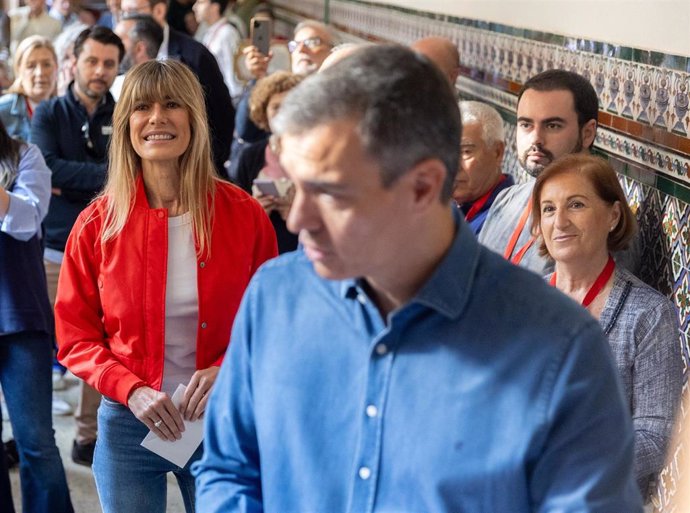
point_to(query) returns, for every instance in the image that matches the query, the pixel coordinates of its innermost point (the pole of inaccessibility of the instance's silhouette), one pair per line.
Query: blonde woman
(153, 274)
(35, 72)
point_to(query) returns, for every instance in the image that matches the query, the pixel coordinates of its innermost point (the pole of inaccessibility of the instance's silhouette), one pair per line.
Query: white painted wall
(660, 25)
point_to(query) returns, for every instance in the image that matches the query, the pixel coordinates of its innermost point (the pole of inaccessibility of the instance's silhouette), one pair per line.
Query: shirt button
(362, 298)
(203, 325)
(381, 349)
(364, 473)
(202, 264)
(372, 411)
(161, 215)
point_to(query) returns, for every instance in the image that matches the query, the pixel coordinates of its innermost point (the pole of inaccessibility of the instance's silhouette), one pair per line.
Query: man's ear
(426, 180)
(159, 11)
(139, 52)
(588, 133)
(499, 150)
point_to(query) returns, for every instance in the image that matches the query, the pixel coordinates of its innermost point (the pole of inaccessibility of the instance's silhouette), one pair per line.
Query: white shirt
(163, 50)
(181, 305)
(223, 40)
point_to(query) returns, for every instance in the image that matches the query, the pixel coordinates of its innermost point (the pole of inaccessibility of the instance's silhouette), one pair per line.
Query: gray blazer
(644, 334)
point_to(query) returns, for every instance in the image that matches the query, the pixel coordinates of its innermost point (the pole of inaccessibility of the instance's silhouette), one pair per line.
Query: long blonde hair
(156, 81)
(22, 52)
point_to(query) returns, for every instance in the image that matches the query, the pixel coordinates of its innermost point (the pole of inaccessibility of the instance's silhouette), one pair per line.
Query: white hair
(317, 25)
(488, 118)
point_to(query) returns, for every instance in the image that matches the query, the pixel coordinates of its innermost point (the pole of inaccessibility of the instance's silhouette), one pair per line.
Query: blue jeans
(130, 478)
(26, 378)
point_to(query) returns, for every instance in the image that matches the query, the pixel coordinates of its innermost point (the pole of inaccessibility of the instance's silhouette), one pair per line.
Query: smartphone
(261, 32)
(267, 187)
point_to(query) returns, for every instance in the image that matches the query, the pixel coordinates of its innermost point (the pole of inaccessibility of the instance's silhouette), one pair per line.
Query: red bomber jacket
(110, 306)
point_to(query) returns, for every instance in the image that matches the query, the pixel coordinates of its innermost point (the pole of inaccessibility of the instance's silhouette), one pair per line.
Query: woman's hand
(195, 397)
(256, 62)
(283, 204)
(157, 411)
(268, 203)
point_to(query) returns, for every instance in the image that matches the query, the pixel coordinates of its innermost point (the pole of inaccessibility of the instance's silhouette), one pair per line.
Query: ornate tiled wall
(644, 124)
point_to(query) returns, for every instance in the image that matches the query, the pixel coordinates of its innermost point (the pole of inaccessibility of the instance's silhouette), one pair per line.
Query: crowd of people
(433, 336)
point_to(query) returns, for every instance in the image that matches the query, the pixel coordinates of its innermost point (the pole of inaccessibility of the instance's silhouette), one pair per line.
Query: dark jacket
(24, 304)
(75, 148)
(251, 161)
(221, 113)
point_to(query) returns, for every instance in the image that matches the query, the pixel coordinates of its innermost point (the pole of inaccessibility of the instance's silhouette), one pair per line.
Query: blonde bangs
(158, 81)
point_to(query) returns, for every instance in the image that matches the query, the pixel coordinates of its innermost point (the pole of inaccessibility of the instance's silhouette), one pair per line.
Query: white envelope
(177, 451)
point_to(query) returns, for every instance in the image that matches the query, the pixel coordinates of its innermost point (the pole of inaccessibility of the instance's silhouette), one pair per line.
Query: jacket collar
(106, 101)
(448, 289)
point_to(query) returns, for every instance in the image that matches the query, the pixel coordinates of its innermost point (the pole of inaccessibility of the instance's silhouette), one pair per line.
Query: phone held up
(261, 33)
(277, 188)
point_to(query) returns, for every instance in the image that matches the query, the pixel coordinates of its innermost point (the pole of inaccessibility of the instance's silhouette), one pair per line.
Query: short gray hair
(321, 27)
(487, 117)
(405, 108)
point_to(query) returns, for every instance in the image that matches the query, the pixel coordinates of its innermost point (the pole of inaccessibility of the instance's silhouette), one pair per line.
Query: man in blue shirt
(395, 365)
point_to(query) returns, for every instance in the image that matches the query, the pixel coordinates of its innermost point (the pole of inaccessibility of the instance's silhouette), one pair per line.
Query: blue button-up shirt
(488, 392)
(29, 196)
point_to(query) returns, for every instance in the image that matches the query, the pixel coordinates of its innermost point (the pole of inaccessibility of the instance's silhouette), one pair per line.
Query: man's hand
(195, 397)
(157, 411)
(256, 62)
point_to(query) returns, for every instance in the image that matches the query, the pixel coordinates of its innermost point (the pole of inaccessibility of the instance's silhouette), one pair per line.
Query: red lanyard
(29, 110)
(480, 202)
(508, 254)
(598, 284)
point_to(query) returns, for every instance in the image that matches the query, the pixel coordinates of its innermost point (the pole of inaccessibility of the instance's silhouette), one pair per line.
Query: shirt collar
(163, 52)
(447, 290)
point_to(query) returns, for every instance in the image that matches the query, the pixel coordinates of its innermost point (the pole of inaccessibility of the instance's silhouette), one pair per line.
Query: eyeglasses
(311, 43)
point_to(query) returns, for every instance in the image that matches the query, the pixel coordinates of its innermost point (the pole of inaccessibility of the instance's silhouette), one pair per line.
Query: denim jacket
(15, 116)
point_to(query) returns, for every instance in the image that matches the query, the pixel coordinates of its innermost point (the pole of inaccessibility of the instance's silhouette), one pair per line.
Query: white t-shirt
(181, 305)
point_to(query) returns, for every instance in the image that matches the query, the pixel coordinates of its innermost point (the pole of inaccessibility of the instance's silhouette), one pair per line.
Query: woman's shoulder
(8, 106)
(7, 100)
(232, 201)
(642, 297)
(228, 192)
(92, 216)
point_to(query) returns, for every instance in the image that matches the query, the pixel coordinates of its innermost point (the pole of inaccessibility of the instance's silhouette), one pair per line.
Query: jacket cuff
(118, 383)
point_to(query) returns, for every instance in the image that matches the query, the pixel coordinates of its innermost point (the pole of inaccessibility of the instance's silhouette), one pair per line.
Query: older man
(395, 364)
(479, 178)
(141, 36)
(312, 42)
(442, 52)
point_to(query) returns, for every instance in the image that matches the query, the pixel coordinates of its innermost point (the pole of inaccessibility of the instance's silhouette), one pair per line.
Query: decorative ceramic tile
(680, 120)
(657, 159)
(644, 97)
